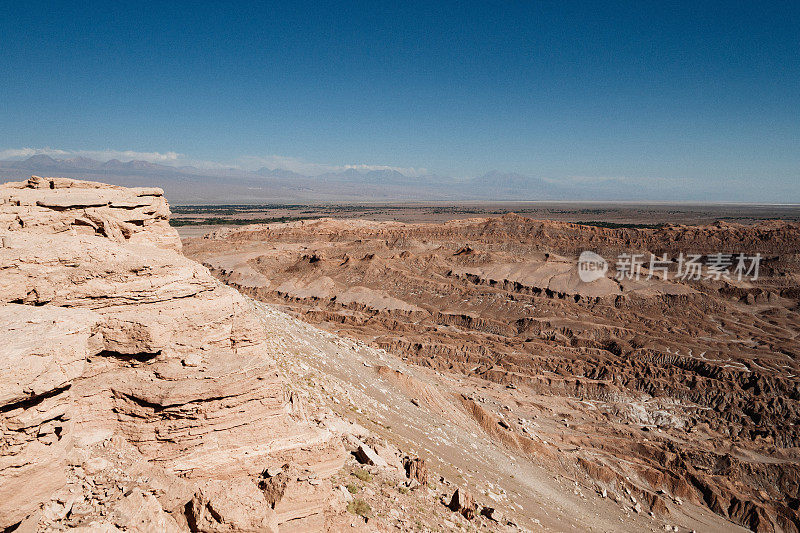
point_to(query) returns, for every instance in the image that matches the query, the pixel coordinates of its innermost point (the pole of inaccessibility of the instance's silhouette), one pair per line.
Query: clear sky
(708, 91)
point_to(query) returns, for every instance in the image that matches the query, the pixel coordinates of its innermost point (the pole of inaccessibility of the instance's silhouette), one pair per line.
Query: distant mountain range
(188, 185)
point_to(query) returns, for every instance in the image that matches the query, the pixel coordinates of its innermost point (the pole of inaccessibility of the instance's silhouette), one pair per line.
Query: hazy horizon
(188, 185)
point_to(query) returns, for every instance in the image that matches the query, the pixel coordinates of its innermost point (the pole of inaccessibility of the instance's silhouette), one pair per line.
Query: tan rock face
(231, 506)
(108, 332)
(58, 205)
(42, 352)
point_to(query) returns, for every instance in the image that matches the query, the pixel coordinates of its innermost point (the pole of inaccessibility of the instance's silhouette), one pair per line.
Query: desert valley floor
(631, 404)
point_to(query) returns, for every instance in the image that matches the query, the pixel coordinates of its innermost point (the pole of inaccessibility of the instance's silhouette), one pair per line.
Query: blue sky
(702, 91)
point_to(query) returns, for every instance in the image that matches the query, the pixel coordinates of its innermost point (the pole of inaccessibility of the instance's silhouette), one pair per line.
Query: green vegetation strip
(619, 225)
(217, 221)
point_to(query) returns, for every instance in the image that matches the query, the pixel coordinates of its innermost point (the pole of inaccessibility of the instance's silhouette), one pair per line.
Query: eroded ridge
(672, 390)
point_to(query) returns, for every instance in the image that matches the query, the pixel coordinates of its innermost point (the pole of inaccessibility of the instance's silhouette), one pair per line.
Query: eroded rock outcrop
(665, 388)
(114, 345)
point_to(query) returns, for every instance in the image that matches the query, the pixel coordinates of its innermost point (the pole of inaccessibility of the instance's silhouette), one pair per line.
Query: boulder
(463, 503)
(365, 454)
(492, 514)
(416, 469)
(229, 506)
(139, 511)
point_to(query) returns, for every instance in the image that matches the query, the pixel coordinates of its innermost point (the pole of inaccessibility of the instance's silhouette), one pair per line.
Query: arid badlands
(361, 375)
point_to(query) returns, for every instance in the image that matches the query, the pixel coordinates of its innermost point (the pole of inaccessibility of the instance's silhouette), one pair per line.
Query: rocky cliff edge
(138, 392)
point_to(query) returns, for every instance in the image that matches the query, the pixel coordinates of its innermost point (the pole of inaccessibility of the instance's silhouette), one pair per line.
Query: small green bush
(352, 488)
(358, 507)
(362, 474)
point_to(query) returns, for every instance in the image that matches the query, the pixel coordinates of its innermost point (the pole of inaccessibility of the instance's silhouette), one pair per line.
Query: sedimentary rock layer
(113, 339)
(693, 384)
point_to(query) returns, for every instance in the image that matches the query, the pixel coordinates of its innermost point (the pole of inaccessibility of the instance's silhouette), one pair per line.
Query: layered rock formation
(125, 361)
(141, 394)
(687, 389)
